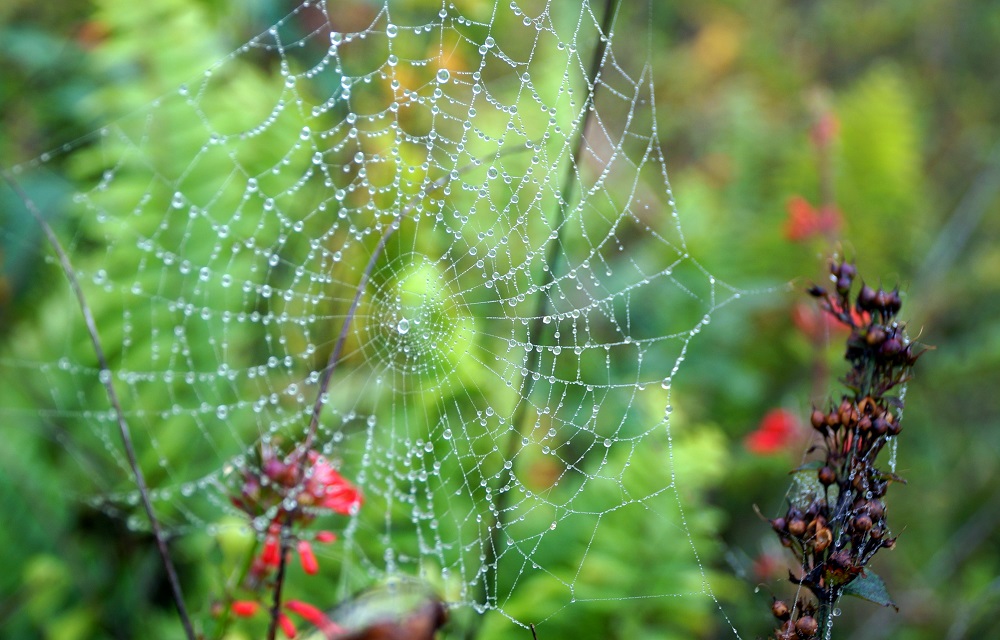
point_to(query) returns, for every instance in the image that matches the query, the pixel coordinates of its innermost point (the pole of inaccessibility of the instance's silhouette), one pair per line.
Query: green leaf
(868, 586)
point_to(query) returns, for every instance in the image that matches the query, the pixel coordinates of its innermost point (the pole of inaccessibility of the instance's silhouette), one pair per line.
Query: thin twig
(106, 379)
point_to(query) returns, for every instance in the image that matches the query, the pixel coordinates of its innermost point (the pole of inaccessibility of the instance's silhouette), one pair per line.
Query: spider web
(506, 377)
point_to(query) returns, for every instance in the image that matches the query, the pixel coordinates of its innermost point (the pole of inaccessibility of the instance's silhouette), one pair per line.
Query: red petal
(244, 608)
(766, 567)
(805, 320)
(326, 537)
(829, 220)
(777, 430)
(763, 443)
(803, 220)
(272, 552)
(314, 616)
(342, 497)
(308, 558)
(287, 626)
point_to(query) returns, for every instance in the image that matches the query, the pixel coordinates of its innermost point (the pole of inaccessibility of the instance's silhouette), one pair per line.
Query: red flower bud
(326, 537)
(272, 551)
(308, 558)
(287, 626)
(244, 608)
(314, 616)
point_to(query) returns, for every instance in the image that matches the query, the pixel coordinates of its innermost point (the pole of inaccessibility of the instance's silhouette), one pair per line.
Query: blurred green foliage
(914, 171)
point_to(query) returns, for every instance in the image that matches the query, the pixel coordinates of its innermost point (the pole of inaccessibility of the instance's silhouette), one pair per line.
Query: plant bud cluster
(836, 531)
(299, 484)
(800, 626)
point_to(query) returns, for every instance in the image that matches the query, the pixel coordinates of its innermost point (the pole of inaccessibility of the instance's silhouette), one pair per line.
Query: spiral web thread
(222, 282)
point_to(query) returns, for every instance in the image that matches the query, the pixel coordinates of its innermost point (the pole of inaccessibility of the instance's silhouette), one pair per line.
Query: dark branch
(106, 379)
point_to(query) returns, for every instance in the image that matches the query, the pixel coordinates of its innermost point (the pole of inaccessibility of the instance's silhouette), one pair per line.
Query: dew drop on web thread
(510, 360)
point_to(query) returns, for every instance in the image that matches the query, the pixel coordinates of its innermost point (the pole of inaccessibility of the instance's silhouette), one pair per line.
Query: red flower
(767, 567)
(804, 221)
(777, 430)
(814, 323)
(314, 616)
(244, 608)
(287, 626)
(271, 556)
(308, 558)
(859, 318)
(329, 489)
(326, 537)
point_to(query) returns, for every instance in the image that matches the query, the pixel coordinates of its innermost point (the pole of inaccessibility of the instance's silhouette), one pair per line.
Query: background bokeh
(886, 111)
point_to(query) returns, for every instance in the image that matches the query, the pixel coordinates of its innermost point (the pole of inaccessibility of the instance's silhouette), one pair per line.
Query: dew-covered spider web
(503, 397)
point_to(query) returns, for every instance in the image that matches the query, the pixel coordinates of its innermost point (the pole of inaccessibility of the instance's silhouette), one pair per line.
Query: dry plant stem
(105, 377)
(834, 543)
(535, 331)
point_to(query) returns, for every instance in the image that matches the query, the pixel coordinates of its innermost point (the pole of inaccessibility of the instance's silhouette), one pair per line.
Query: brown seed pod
(786, 631)
(780, 610)
(866, 298)
(822, 540)
(864, 424)
(827, 476)
(875, 336)
(807, 627)
(880, 426)
(796, 527)
(891, 347)
(818, 419)
(875, 508)
(862, 523)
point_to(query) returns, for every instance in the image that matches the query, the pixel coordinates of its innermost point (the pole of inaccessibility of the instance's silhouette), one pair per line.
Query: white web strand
(226, 266)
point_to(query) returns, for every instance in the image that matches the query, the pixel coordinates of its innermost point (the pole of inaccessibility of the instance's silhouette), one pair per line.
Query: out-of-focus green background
(913, 164)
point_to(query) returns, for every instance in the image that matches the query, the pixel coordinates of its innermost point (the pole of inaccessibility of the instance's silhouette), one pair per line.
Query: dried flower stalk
(835, 529)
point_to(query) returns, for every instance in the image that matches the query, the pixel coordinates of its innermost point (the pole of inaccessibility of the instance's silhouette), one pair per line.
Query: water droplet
(391, 30)
(443, 75)
(403, 327)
